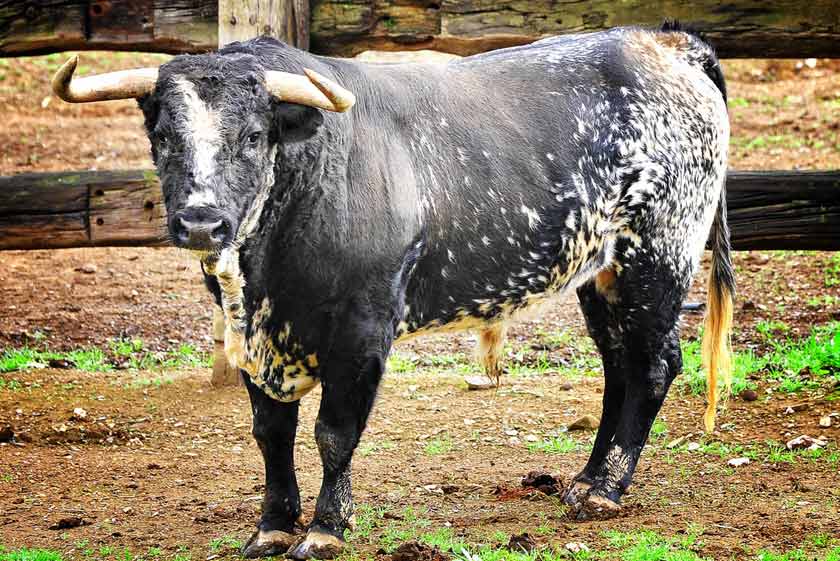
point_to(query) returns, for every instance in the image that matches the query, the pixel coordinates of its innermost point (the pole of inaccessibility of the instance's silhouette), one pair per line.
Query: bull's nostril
(182, 230)
(220, 231)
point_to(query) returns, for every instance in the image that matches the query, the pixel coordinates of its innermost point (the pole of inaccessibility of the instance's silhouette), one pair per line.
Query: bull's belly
(527, 291)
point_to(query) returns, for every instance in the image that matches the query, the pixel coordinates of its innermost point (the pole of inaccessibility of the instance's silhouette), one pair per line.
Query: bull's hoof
(596, 507)
(576, 493)
(318, 544)
(267, 543)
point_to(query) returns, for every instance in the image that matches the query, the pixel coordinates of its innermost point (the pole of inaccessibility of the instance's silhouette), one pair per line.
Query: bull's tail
(716, 345)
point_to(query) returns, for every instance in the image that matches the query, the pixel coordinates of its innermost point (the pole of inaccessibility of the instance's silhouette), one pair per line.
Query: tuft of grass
(26, 554)
(659, 429)
(225, 542)
(800, 365)
(439, 445)
(399, 364)
(797, 555)
(792, 365)
(131, 353)
(562, 444)
(693, 377)
(772, 328)
(832, 271)
(646, 545)
(366, 448)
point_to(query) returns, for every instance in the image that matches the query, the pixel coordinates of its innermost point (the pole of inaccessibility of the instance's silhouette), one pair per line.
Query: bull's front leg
(274, 427)
(349, 388)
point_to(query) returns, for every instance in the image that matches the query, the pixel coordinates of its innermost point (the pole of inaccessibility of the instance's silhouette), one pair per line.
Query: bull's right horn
(312, 89)
(124, 84)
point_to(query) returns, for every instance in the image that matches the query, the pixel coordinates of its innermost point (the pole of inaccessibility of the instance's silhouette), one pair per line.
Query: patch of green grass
(825, 300)
(225, 542)
(133, 354)
(130, 353)
(400, 364)
(792, 365)
(832, 271)
(89, 360)
(438, 445)
(803, 364)
(822, 539)
(26, 554)
(366, 448)
(659, 429)
(693, 377)
(770, 329)
(562, 444)
(646, 545)
(11, 385)
(769, 452)
(20, 359)
(797, 555)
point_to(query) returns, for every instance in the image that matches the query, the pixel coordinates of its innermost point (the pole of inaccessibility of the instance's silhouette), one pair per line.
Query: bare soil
(172, 464)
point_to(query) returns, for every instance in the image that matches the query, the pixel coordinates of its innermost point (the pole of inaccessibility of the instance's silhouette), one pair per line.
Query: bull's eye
(254, 137)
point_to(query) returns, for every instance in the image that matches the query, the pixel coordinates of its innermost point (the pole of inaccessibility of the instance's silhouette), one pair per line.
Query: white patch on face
(201, 131)
(205, 197)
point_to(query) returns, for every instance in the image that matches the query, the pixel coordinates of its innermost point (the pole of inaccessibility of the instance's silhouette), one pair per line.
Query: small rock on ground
(479, 383)
(87, 268)
(804, 441)
(587, 422)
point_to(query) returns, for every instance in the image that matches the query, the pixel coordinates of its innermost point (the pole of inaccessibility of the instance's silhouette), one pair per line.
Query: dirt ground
(162, 460)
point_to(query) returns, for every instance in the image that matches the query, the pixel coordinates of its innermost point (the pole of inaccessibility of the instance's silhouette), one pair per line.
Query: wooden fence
(767, 210)
(738, 28)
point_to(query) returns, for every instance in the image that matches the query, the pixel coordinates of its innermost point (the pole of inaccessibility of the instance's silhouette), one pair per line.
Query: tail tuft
(716, 349)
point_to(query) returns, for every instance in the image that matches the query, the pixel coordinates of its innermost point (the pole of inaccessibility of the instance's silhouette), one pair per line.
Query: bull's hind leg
(274, 428)
(633, 318)
(594, 301)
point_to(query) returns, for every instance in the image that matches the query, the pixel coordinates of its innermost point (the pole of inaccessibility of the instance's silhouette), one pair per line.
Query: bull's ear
(298, 122)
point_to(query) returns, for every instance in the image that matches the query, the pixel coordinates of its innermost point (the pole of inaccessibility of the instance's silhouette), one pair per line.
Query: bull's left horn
(124, 84)
(313, 90)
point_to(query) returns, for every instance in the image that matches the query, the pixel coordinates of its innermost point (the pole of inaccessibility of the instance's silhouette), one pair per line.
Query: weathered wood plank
(784, 210)
(168, 26)
(738, 29)
(56, 210)
(767, 210)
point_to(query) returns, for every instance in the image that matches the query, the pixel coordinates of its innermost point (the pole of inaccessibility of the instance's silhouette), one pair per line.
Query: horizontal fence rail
(767, 210)
(737, 28)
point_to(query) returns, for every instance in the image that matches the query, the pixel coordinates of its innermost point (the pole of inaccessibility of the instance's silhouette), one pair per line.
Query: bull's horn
(313, 90)
(124, 84)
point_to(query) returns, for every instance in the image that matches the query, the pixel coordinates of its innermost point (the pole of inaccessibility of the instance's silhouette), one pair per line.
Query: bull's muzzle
(201, 229)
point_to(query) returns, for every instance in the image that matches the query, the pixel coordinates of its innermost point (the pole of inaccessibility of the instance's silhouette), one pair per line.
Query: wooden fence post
(239, 20)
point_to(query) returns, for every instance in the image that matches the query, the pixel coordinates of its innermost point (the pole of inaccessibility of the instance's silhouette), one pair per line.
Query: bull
(338, 207)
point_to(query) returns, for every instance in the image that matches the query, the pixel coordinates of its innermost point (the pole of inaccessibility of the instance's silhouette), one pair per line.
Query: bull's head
(214, 124)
